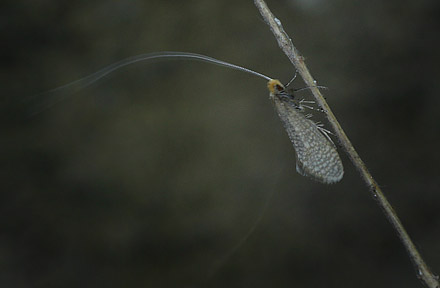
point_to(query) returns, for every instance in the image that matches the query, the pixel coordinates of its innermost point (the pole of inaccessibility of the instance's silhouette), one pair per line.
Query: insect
(316, 155)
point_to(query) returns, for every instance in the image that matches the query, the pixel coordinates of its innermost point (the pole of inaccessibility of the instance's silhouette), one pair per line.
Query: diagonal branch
(285, 43)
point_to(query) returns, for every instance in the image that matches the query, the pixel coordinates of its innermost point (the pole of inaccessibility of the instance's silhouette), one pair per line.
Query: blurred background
(179, 173)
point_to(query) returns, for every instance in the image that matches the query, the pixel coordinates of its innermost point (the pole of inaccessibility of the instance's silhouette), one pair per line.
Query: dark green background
(153, 176)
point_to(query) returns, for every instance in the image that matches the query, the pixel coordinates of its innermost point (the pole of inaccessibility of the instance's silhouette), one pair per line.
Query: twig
(285, 43)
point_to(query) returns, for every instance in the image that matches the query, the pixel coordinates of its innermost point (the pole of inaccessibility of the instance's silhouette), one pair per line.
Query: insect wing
(316, 156)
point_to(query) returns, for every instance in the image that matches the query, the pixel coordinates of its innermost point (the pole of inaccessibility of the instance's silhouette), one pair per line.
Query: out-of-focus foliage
(154, 175)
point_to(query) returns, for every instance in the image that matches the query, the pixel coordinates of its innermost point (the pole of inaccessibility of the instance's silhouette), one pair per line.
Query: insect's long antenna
(166, 54)
(82, 83)
(185, 55)
(88, 80)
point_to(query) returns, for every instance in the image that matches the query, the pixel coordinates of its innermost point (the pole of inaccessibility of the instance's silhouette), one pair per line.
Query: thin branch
(285, 43)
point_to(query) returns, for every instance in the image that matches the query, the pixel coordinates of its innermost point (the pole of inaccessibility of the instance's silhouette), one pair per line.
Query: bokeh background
(179, 173)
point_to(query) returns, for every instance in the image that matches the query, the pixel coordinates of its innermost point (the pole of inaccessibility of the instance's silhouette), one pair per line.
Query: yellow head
(275, 86)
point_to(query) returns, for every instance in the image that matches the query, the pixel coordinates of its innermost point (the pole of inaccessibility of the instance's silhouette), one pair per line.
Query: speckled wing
(316, 156)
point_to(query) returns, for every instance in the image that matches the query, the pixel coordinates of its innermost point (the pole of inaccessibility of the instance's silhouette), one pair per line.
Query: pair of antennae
(167, 55)
(54, 96)
(45, 100)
